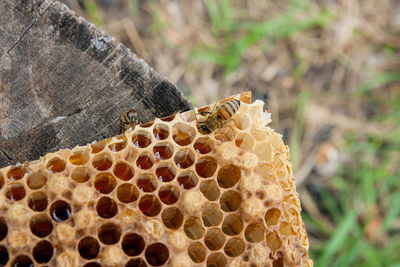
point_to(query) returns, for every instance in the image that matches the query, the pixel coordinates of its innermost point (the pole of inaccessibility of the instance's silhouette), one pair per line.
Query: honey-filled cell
(163, 150)
(88, 247)
(109, 233)
(184, 158)
(172, 217)
(168, 194)
(203, 145)
(145, 161)
(106, 207)
(123, 171)
(41, 225)
(43, 251)
(16, 172)
(157, 254)
(141, 139)
(3, 228)
(197, 252)
(102, 162)
(37, 201)
(165, 172)
(132, 244)
(60, 211)
(150, 205)
(119, 144)
(206, 166)
(79, 157)
(187, 180)
(183, 134)
(127, 193)
(22, 260)
(56, 165)
(15, 192)
(161, 131)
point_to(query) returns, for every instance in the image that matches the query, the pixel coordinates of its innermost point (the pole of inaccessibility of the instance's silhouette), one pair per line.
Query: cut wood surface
(63, 82)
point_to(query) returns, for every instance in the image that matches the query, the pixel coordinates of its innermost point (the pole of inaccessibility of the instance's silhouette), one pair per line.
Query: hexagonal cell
(217, 260)
(22, 260)
(37, 201)
(136, 263)
(41, 225)
(60, 211)
(102, 162)
(165, 172)
(206, 166)
(157, 254)
(3, 228)
(99, 146)
(132, 244)
(214, 239)
(43, 251)
(244, 141)
(278, 262)
(184, 158)
(104, 182)
(106, 207)
(16, 172)
(80, 174)
(127, 193)
(150, 205)
(197, 252)
(234, 247)
(4, 256)
(254, 232)
(56, 165)
(230, 201)
(168, 194)
(163, 150)
(228, 176)
(161, 131)
(141, 139)
(79, 157)
(273, 241)
(232, 225)
(15, 192)
(211, 215)
(123, 171)
(172, 217)
(118, 145)
(183, 134)
(272, 216)
(193, 228)
(210, 190)
(109, 233)
(286, 228)
(36, 180)
(187, 180)
(203, 145)
(88, 247)
(264, 151)
(146, 182)
(145, 161)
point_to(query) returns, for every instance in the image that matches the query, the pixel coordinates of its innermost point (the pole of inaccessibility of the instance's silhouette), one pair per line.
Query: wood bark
(63, 82)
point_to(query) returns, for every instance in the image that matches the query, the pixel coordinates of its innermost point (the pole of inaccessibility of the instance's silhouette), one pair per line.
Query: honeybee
(130, 118)
(219, 115)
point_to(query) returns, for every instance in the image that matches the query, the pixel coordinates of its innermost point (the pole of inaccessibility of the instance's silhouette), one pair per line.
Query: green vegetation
(235, 37)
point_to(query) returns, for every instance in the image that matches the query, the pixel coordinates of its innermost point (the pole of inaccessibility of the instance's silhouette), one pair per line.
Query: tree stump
(63, 82)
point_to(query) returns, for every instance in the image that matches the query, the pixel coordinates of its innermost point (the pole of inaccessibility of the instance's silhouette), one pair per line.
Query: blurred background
(329, 71)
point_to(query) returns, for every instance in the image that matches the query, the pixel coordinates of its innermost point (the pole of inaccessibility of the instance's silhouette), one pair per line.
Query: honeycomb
(161, 194)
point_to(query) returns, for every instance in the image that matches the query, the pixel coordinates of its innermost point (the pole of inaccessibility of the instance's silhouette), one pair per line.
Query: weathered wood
(63, 82)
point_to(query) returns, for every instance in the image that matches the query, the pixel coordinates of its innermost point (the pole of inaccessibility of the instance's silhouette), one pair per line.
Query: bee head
(133, 116)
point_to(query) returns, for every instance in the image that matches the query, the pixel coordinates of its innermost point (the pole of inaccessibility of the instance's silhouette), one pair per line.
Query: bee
(130, 118)
(220, 115)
